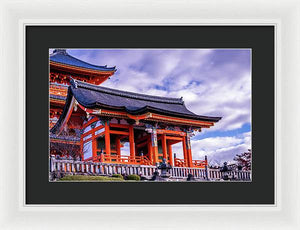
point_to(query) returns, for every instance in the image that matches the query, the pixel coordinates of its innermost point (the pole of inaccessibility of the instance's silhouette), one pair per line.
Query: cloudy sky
(213, 82)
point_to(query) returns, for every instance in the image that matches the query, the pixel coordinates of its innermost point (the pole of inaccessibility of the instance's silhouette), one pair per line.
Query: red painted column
(150, 154)
(164, 146)
(118, 146)
(81, 148)
(94, 146)
(107, 138)
(185, 154)
(170, 154)
(189, 151)
(131, 141)
(154, 145)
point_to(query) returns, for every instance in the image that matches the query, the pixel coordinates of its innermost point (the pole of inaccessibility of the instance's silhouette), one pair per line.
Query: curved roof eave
(92, 103)
(61, 56)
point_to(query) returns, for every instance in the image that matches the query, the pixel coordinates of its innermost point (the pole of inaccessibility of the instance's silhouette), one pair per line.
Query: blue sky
(214, 82)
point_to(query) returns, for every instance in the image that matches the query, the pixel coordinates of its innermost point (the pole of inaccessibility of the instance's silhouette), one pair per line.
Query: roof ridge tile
(139, 96)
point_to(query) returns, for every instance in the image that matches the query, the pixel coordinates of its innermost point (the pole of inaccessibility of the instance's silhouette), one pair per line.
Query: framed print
(155, 121)
(91, 124)
(124, 135)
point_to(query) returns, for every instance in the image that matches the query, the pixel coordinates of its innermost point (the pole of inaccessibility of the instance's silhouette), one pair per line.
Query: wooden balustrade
(199, 163)
(196, 163)
(180, 162)
(121, 159)
(102, 168)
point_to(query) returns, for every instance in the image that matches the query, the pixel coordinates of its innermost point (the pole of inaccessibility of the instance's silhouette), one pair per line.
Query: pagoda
(64, 67)
(108, 118)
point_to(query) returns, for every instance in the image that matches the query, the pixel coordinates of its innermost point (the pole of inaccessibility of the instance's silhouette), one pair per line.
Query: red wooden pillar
(131, 142)
(185, 154)
(94, 146)
(118, 146)
(170, 154)
(107, 139)
(164, 146)
(154, 146)
(189, 151)
(81, 148)
(150, 149)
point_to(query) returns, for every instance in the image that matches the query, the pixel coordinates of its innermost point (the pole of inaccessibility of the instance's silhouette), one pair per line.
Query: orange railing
(199, 163)
(121, 159)
(195, 163)
(60, 90)
(180, 162)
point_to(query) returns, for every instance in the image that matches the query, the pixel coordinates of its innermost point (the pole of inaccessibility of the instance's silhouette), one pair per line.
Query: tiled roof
(97, 97)
(61, 56)
(65, 138)
(124, 94)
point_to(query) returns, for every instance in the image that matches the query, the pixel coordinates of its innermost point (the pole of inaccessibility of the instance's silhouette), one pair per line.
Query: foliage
(90, 178)
(117, 176)
(133, 177)
(244, 160)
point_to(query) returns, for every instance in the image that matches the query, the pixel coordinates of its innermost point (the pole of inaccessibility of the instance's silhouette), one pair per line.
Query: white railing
(97, 168)
(85, 167)
(182, 172)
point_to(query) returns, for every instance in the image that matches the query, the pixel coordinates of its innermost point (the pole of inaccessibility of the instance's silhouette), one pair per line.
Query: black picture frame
(258, 38)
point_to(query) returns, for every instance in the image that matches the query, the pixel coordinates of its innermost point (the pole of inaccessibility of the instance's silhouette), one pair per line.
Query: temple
(63, 67)
(100, 131)
(108, 118)
(94, 122)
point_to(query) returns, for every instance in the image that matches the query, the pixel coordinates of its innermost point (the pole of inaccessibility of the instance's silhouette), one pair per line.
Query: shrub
(133, 177)
(117, 176)
(90, 178)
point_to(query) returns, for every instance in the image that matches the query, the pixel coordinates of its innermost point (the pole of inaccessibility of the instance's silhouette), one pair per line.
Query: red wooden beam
(174, 138)
(119, 126)
(119, 132)
(90, 122)
(165, 131)
(92, 131)
(174, 142)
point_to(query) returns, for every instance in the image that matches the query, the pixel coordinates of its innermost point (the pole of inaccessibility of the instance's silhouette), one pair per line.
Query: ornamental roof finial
(60, 51)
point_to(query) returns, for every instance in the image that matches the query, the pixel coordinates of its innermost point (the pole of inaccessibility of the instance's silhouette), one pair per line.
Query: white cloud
(221, 149)
(125, 150)
(208, 88)
(211, 82)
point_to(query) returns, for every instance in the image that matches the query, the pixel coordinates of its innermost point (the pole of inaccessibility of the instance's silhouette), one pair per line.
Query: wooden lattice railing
(121, 159)
(180, 162)
(199, 163)
(196, 163)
